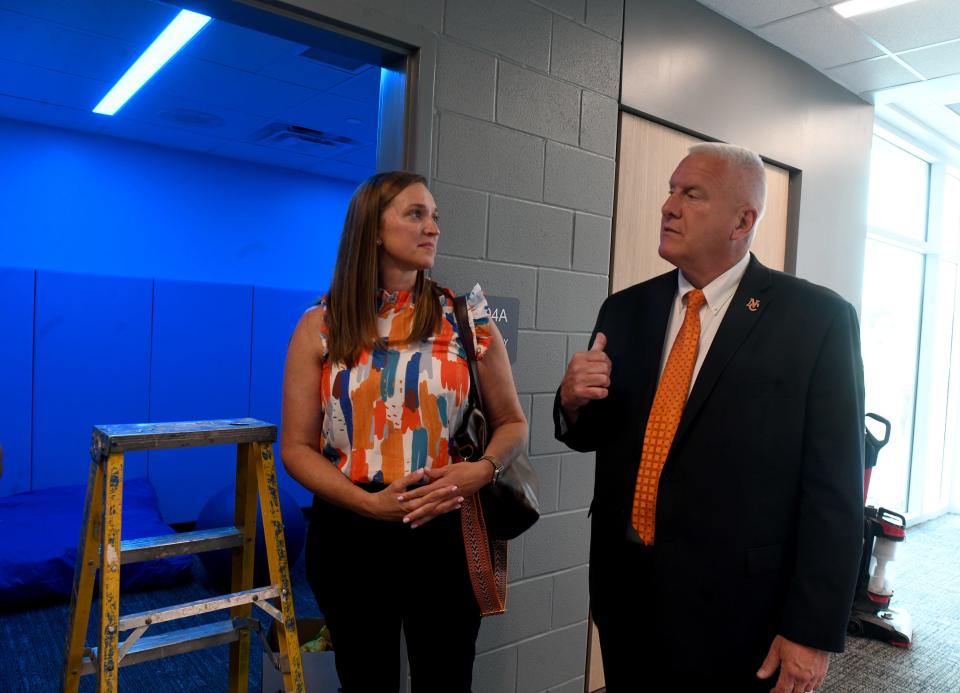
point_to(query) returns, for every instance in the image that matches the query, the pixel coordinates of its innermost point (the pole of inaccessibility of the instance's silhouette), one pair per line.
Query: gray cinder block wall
(524, 140)
(523, 172)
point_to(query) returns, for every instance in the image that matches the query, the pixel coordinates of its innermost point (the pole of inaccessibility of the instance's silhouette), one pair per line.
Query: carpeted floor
(32, 644)
(927, 585)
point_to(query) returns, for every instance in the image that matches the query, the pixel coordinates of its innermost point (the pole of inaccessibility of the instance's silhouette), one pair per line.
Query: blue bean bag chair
(40, 533)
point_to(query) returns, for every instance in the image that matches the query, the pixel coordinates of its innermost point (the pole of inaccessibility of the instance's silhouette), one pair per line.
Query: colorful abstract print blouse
(395, 411)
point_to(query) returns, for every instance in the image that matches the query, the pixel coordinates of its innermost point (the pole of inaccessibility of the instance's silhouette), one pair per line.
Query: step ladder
(102, 550)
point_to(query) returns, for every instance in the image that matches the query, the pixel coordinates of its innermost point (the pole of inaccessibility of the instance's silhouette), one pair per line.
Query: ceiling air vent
(296, 138)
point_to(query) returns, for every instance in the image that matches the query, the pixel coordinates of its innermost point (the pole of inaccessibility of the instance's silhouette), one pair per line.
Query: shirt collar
(721, 289)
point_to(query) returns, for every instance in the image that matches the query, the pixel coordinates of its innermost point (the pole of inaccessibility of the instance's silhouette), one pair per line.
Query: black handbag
(510, 505)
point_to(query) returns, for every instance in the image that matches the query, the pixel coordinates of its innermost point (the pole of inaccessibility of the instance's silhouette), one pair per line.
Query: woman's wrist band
(497, 467)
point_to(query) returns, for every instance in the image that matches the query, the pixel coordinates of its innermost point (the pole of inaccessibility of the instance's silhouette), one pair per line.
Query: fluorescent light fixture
(852, 8)
(177, 34)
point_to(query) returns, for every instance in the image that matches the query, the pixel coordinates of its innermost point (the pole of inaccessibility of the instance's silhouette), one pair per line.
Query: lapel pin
(753, 305)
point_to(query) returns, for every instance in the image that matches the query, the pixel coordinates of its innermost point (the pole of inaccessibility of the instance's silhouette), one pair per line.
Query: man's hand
(587, 378)
(802, 668)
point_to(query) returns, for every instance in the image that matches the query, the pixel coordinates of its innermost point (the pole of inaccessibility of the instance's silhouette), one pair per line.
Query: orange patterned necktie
(665, 415)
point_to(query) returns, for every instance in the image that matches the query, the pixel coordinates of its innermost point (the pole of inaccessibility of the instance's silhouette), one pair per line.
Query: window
(911, 338)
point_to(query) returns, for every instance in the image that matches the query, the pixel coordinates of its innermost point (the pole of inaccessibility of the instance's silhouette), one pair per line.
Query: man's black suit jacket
(760, 506)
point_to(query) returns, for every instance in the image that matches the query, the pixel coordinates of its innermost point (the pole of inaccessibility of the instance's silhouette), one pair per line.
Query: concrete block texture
(515, 559)
(495, 672)
(538, 104)
(530, 233)
(553, 659)
(556, 542)
(571, 598)
(463, 220)
(542, 441)
(576, 480)
(548, 474)
(480, 155)
(576, 685)
(526, 403)
(574, 9)
(569, 301)
(427, 13)
(460, 274)
(516, 29)
(529, 612)
(541, 360)
(575, 178)
(586, 57)
(606, 16)
(466, 80)
(591, 243)
(598, 123)
(577, 342)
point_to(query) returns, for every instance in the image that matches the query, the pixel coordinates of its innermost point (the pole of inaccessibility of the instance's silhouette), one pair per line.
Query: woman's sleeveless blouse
(395, 411)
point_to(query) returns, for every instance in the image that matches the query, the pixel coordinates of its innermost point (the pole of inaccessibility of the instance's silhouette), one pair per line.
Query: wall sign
(505, 311)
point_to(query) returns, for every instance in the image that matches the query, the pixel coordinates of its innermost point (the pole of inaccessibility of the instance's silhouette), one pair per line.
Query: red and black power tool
(883, 531)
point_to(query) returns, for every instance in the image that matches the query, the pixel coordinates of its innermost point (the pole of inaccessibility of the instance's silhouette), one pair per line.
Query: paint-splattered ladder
(101, 528)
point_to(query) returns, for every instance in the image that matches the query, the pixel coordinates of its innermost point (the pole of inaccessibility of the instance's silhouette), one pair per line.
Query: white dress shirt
(718, 294)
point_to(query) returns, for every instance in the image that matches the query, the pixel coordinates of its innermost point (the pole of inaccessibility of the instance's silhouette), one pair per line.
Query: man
(728, 427)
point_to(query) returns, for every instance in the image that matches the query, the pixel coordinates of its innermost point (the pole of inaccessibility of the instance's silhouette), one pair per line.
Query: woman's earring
(379, 241)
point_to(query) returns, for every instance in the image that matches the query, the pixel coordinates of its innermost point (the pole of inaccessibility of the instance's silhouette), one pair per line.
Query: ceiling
(231, 92)
(905, 60)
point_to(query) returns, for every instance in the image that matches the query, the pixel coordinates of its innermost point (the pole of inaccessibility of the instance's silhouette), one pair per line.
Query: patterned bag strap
(486, 562)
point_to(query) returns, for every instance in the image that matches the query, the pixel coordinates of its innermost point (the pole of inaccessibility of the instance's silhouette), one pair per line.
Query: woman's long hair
(352, 300)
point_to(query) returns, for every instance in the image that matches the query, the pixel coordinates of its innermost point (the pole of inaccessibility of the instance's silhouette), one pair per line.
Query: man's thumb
(770, 664)
(599, 342)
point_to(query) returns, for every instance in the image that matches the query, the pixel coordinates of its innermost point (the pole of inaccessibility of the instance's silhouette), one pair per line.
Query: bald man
(724, 401)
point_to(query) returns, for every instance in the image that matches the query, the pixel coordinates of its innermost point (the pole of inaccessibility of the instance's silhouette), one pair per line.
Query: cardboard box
(319, 670)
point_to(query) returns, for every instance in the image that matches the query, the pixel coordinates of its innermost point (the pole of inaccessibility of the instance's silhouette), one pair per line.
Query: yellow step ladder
(101, 549)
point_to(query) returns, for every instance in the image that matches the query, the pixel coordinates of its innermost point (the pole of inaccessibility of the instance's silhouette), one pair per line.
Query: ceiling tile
(135, 22)
(754, 13)
(363, 87)
(870, 75)
(361, 156)
(208, 82)
(59, 57)
(265, 155)
(189, 116)
(938, 61)
(41, 84)
(821, 38)
(306, 72)
(335, 115)
(239, 47)
(912, 25)
(33, 41)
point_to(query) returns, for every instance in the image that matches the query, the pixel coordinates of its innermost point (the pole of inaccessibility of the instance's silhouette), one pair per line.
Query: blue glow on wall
(84, 203)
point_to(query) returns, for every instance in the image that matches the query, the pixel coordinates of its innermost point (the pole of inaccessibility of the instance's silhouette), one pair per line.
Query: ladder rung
(136, 550)
(201, 606)
(181, 434)
(174, 643)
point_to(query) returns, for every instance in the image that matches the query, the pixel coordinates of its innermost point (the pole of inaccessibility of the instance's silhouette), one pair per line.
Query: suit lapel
(746, 309)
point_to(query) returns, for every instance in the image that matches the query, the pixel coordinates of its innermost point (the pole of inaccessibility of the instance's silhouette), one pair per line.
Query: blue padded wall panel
(275, 314)
(200, 370)
(92, 355)
(16, 377)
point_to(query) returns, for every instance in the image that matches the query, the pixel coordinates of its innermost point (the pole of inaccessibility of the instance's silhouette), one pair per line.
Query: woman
(375, 384)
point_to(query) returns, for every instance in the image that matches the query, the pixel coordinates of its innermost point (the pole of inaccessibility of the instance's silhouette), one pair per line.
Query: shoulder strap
(466, 338)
